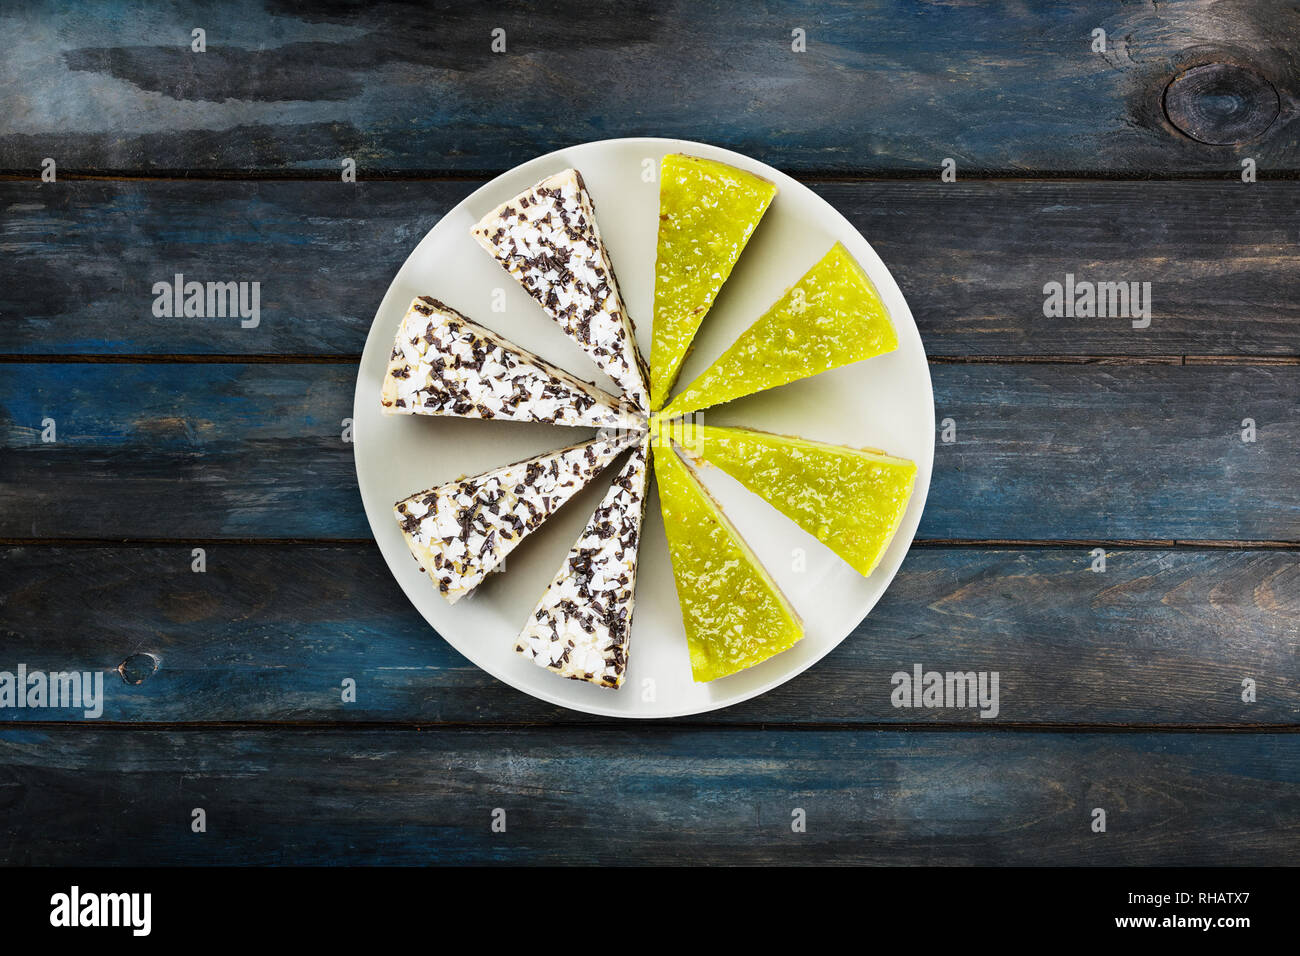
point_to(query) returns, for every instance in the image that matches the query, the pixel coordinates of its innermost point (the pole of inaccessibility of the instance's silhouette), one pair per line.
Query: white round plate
(883, 403)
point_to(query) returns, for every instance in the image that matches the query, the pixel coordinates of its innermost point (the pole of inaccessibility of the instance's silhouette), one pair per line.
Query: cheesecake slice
(581, 627)
(734, 614)
(850, 499)
(461, 531)
(707, 212)
(443, 363)
(831, 317)
(547, 238)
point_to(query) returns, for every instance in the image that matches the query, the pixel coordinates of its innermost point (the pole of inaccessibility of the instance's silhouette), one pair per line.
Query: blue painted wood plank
(1041, 452)
(1046, 451)
(81, 259)
(604, 796)
(887, 86)
(176, 450)
(268, 633)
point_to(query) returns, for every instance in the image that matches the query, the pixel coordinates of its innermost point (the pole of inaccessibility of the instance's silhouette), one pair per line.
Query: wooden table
(1121, 689)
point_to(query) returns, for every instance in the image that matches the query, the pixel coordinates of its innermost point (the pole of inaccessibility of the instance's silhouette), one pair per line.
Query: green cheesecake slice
(707, 212)
(850, 499)
(734, 614)
(831, 317)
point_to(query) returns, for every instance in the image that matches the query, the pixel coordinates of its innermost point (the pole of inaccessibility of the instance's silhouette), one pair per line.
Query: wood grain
(230, 437)
(268, 633)
(1042, 452)
(892, 86)
(1221, 104)
(80, 260)
(602, 796)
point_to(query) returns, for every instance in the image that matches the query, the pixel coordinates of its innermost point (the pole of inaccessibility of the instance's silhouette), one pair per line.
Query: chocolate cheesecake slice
(443, 363)
(462, 530)
(581, 626)
(547, 238)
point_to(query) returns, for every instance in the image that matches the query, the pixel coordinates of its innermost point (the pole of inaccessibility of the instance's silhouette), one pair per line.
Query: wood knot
(1221, 104)
(136, 668)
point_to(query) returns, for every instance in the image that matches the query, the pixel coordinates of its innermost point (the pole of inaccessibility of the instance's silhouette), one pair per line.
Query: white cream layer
(548, 239)
(461, 531)
(581, 627)
(443, 363)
